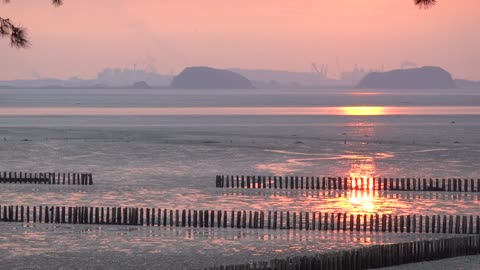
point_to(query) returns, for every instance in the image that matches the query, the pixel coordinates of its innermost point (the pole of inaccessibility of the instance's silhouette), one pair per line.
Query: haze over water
(114, 102)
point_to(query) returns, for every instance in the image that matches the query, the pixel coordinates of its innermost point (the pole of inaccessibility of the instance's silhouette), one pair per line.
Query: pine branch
(18, 35)
(425, 3)
(54, 2)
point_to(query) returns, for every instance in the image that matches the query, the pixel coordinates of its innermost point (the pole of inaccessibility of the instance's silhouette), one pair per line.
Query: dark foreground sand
(467, 263)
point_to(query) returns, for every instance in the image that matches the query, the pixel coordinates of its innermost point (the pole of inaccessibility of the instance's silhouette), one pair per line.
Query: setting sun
(363, 110)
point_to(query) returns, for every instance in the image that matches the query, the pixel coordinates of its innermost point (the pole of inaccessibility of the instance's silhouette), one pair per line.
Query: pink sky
(82, 37)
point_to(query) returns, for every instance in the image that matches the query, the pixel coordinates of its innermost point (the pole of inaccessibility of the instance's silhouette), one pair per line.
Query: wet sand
(46, 246)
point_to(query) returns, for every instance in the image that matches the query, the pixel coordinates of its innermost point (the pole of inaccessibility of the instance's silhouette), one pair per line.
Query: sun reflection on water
(364, 110)
(363, 200)
(355, 161)
(362, 172)
(363, 169)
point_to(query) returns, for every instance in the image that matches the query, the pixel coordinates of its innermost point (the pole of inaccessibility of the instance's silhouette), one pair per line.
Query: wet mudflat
(171, 162)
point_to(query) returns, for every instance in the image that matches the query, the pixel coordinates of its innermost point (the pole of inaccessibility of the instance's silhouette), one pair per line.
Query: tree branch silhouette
(425, 3)
(18, 35)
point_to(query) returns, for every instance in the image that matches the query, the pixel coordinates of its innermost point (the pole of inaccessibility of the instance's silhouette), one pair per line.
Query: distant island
(467, 84)
(210, 78)
(140, 85)
(415, 78)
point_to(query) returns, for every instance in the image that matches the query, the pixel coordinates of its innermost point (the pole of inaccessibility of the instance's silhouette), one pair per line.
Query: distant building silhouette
(354, 76)
(121, 77)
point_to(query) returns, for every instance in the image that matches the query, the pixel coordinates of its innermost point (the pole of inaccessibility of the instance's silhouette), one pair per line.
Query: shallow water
(123, 247)
(170, 161)
(162, 167)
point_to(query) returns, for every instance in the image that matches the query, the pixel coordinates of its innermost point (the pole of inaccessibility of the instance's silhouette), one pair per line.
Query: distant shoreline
(167, 87)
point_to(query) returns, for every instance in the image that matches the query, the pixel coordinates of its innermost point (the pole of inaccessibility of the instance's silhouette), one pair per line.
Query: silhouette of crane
(322, 71)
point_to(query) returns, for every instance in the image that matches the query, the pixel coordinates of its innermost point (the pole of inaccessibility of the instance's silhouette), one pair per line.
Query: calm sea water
(160, 148)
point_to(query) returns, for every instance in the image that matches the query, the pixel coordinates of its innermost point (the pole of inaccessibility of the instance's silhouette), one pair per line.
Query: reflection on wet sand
(292, 165)
(84, 245)
(362, 166)
(354, 201)
(147, 172)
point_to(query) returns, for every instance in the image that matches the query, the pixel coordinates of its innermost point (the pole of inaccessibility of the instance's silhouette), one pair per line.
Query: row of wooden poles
(347, 183)
(46, 178)
(242, 219)
(371, 257)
